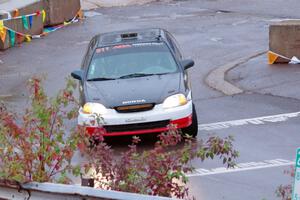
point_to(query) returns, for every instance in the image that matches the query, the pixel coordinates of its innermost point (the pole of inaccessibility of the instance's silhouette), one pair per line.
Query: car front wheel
(192, 130)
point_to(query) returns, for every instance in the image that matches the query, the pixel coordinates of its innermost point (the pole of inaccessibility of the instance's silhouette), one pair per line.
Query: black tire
(192, 130)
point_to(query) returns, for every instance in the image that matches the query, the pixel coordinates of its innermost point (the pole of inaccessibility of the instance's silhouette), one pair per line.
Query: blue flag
(30, 21)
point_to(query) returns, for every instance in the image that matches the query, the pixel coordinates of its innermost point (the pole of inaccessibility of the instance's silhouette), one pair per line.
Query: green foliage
(159, 171)
(35, 147)
(39, 147)
(285, 191)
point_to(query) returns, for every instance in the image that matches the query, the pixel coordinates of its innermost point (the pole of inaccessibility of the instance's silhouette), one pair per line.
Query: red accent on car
(122, 46)
(183, 122)
(179, 123)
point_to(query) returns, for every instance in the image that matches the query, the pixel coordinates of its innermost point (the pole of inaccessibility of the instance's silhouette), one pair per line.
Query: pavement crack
(215, 97)
(271, 95)
(275, 85)
(224, 11)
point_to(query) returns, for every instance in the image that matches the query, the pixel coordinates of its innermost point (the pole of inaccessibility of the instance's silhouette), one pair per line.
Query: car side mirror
(78, 74)
(186, 64)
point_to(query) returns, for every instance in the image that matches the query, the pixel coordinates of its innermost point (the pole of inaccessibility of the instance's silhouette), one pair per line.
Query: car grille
(135, 127)
(134, 108)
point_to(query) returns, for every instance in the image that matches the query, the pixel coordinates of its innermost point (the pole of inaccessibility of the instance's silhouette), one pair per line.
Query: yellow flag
(3, 35)
(80, 14)
(2, 31)
(28, 38)
(44, 15)
(1, 26)
(272, 57)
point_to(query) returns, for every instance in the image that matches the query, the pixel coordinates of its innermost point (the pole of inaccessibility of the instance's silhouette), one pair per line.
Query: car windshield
(128, 61)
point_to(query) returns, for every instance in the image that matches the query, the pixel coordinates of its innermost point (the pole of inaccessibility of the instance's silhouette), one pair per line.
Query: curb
(5, 97)
(94, 4)
(50, 191)
(216, 78)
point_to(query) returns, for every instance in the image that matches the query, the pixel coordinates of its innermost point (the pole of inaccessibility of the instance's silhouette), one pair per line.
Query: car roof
(131, 36)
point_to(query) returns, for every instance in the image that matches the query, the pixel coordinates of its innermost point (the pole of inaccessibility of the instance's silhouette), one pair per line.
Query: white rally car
(137, 82)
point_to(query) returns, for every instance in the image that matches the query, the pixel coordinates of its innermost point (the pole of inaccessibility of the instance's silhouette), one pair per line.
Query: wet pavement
(212, 33)
(277, 80)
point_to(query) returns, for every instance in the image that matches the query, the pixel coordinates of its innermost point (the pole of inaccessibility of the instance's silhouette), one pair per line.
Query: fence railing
(50, 191)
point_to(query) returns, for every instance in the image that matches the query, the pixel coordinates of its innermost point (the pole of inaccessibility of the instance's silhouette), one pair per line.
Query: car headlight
(94, 108)
(175, 101)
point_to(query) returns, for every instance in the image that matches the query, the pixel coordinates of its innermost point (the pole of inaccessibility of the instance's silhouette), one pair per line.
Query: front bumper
(156, 120)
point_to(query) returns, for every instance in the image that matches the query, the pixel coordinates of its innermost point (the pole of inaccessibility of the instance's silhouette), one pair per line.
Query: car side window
(174, 45)
(89, 53)
(93, 43)
(84, 58)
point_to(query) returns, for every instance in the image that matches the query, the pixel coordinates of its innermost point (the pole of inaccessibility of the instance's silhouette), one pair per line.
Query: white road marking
(14, 75)
(5, 96)
(243, 167)
(255, 121)
(92, 14)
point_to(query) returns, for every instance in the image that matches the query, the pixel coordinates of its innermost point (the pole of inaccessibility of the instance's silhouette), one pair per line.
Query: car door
(84, 67)
(175, 47)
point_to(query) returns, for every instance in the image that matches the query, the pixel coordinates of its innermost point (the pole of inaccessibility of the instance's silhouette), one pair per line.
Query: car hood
(132, 91)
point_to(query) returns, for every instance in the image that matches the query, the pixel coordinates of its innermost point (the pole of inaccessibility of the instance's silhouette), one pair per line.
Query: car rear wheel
(192, 130)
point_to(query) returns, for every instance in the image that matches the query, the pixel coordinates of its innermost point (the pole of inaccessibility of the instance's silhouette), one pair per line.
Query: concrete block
(59, 11)
(25, 7)
(284, 39)
(111, 3)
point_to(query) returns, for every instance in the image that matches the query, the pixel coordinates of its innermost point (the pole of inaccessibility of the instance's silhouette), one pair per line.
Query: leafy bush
(34, 147)
(160, 171)
(39, 147)
(285, 191)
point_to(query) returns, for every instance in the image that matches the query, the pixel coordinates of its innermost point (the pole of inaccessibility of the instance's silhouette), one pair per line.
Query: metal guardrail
(51, 191)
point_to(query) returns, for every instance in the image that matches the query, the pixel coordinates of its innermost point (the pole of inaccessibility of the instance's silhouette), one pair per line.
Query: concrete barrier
(50, 191)
(24, 7)
(59, 11)
(92, 4)
(285, 40)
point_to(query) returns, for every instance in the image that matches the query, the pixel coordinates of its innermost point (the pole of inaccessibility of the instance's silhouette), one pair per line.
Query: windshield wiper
(101, 79)
(124, 77)
(135, 75)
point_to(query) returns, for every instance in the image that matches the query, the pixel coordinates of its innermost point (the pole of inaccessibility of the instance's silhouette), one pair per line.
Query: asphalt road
(212, 33)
